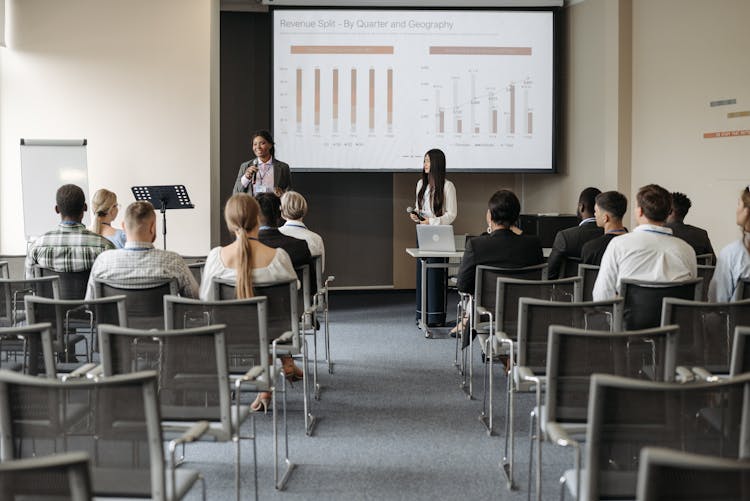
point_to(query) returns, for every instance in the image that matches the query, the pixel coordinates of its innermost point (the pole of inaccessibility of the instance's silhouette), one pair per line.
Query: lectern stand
(173, 196)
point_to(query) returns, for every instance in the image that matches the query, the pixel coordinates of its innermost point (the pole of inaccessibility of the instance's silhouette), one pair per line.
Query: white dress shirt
(450, 206)
(648, 253)
(297, 229)
(732, 264)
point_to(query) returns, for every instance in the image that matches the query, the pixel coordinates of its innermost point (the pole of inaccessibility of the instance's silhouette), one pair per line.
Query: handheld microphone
(255, 163)
(411, 210)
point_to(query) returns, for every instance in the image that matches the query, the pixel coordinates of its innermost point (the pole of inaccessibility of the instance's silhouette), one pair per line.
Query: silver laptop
(436, 238)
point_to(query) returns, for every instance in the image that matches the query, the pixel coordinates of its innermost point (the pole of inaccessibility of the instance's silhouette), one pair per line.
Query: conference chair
(588, 274)
(483, 304)
(740, 352)
(194, 389)
(321, 303)
(115, 420)
(705, 259)
(37, 355)
(308, 321)
(62, 476)
(12, 292)
(196, 269)
(643, 299)
(706, 331)
(705, 273)
(4, 269)
(625, 415)
(283, 327)
(246, 339)
(72, 284)
(145, 305)
(569, 266)
(535, 316)
(503, 332)
(455, 262)
(74, 319)
(742, 291)
(681, 476)
(573, 356)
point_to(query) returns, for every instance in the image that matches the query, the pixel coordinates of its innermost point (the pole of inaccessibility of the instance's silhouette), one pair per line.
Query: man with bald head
(139, 264)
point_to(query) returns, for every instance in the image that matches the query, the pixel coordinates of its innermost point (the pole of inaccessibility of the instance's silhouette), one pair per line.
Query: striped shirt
(69, 248)
(140, 265)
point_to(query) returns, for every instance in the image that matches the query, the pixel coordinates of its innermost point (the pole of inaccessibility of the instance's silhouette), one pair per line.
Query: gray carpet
(394, 423)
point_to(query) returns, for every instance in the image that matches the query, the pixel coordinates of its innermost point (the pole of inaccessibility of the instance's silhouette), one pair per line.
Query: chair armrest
(702, 374)
(191, 435)
(250, 375)
(561, 437)
(481, 310)
(82, 371)
(683, 374)
(287, 336)
(526, 374)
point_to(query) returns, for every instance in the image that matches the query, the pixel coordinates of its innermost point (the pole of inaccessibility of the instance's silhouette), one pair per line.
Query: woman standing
(733, 262)
(264, 173)
(105, 208)
(435, 204)
(248, 261)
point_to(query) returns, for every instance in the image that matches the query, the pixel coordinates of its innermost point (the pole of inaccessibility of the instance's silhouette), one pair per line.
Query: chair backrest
(705, 259)
(38, 357)
(626, 415)
(191, 364)
(4, 269)
(63, 476)
(740, 352)
(145, 305)
(41, 415)
(643, 300)
(588, 274)
(304, 294)
(742, 291)
(281, 306)
(706, 331)
(245, 333)
(460, 242)
(705, 273)
(72, 284)
(197, 270)
(509, 291)
(574, 355)
(12, 292)
(536, 315)
(681, 476)
(569, 266)
(60, 313)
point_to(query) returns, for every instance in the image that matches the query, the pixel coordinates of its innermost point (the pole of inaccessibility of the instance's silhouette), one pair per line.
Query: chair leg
(280, 484)
(316, 384)
(532, 418)
(329, 360)
(508, 450)
(310, 420)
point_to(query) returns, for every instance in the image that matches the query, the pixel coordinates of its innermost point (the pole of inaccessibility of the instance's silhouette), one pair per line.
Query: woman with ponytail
(247, 261)
(733, 262)
(105, 208)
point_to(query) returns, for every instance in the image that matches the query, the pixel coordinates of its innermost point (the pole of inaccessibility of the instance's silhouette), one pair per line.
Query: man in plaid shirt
(70, 247)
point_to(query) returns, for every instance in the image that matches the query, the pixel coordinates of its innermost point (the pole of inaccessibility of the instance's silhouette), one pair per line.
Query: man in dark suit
(269, 234)
(696, 237)
(502, 247)
(609, 209)
(568, 242)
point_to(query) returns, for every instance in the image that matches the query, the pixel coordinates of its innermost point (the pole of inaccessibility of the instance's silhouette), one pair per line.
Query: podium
(173, 196)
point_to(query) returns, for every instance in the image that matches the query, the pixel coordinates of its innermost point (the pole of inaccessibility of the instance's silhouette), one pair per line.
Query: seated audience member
(650, 252)
(609, 209)
(293, 211)
(568, 242)
(247, 261)
(269, 234)
(139, 264)
(105, 209)
(502, 247)
(696, 237)
(70, 247)
(734, 259)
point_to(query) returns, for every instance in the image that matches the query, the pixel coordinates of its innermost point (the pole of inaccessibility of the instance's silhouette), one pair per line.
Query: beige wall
(134, 78)
(687, 53)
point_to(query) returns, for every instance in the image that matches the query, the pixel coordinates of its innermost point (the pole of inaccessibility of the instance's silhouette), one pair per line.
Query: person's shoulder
(280, 163)
(732, 248)
(448, 184)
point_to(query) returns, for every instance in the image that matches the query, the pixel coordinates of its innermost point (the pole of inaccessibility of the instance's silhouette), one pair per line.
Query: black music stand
(173, 196)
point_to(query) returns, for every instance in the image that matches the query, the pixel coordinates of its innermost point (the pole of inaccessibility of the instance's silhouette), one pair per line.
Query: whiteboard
(47, 164)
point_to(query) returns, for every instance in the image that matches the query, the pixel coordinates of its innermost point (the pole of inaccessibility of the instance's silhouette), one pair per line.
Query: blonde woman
(294, 210)
(105, 208)
(248, 261)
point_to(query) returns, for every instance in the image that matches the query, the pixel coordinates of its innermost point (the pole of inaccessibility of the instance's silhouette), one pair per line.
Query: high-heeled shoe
(261, 401)
(293, 373)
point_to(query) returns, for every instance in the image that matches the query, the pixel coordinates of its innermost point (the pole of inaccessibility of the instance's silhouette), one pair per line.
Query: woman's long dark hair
(268, 137)
(435, 180)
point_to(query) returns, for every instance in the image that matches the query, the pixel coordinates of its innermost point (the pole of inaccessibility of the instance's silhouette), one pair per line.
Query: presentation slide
(375, 89)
